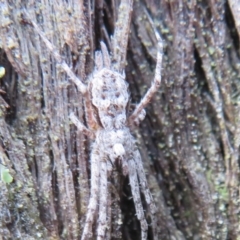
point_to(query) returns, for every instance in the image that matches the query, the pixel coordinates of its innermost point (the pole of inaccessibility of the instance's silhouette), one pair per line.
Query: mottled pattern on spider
(106, 99)
(113, 142)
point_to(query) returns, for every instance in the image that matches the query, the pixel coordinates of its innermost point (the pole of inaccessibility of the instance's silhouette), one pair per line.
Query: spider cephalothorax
(109, 92)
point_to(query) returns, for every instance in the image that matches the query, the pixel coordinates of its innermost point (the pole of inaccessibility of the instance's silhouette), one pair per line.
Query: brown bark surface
(189, 140)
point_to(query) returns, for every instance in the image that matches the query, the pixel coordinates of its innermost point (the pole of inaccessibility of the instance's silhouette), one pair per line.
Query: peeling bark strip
(189, 141)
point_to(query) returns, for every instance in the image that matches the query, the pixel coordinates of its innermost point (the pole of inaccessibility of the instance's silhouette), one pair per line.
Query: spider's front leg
(77, 81)
(121, 33)
(153, 89)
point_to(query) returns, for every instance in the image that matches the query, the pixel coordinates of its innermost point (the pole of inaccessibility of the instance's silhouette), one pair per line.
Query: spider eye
(103, 96)
(117, 94)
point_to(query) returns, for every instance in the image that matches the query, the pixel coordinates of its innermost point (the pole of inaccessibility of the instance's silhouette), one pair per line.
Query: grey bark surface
(189, 140)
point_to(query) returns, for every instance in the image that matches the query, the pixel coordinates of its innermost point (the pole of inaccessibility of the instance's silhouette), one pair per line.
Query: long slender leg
(79, 125)
(143, 182)
(80, 85)
(98, 60)
(137, 198)
(145, 189)
(121, 33)
(109, 213)
(155, 84)
(105, 55)
(94, 195)
(137, 120)
(102, 223)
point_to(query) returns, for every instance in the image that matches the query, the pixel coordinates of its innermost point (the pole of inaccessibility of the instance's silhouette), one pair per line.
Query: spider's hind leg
(133, 179)
(94, 195)
(145, 190)
(102, 223)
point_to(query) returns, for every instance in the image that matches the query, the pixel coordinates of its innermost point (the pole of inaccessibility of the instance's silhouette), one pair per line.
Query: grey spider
(113, 141)
(107, 97)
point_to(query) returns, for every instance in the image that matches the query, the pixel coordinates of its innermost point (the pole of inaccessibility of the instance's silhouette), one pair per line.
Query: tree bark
(189, 140)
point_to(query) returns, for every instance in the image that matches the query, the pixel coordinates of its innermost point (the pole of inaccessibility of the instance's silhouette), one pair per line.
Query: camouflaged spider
(107, 97)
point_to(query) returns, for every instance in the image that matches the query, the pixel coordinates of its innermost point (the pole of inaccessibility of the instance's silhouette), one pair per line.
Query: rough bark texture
(189, 140)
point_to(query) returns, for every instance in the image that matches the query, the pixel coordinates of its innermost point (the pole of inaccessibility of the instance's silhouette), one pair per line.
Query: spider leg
(98, 60)
(121, 33)
(145, 189)
(133, 179)
(155, 84)
(136, 122)
(80, 85)
(102, 58)
(105, 55)
(102, 224)
(80, 126)
(109, 213)
(94, 195)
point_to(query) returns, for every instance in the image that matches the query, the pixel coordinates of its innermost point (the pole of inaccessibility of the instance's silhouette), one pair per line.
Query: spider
(109, 125)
